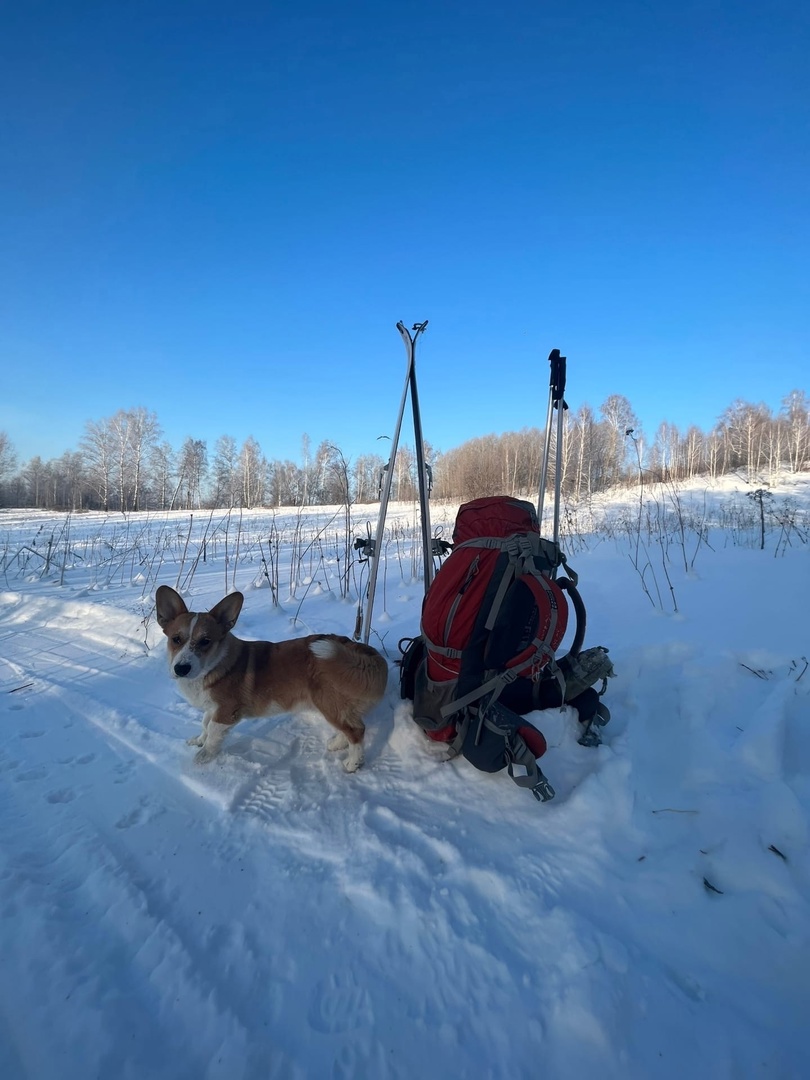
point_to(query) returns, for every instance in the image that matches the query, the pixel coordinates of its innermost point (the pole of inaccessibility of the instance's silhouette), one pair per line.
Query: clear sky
(220, 210)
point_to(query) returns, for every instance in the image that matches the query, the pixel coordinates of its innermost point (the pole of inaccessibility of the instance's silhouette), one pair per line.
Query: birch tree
(226, 473)
(192, 468)
(8, 456)
(796, 415)
(98, 449)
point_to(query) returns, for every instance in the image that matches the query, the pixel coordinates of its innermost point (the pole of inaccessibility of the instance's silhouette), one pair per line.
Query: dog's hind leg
(350, 727)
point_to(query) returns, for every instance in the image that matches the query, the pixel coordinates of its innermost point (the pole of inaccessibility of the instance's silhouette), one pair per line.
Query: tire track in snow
(164, 947)
(100, 1008)
(163, 994)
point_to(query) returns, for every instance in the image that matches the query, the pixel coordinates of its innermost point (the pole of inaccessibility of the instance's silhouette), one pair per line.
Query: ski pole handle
(557, 375)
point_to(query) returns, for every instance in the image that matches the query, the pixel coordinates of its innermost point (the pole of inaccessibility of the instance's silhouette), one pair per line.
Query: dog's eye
(177, 640)
(203, 643)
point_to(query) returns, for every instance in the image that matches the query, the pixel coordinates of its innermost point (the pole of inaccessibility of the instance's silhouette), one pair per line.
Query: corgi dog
(230, 679)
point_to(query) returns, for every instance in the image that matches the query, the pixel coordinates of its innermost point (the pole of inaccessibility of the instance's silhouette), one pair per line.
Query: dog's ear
(168, 605)
(226, 612)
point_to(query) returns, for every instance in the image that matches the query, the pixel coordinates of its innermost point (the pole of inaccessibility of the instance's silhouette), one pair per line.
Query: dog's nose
(181, 670)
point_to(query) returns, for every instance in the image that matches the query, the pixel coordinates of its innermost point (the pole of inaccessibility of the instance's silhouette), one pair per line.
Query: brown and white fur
(230, 679)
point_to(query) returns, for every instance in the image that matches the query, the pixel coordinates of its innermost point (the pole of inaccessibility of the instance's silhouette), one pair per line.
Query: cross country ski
(370, 547)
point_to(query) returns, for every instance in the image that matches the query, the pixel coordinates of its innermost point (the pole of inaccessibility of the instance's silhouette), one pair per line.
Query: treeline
(124, 463)
(608, 448)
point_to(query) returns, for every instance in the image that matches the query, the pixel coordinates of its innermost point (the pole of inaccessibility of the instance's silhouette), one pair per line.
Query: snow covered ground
(269, 915)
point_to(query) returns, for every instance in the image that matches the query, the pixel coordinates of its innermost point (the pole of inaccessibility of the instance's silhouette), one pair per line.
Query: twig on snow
(760, 674)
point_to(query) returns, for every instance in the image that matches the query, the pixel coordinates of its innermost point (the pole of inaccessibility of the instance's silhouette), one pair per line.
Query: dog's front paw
(354, 759)
(337, 742)
(203, 756)
(196, 740)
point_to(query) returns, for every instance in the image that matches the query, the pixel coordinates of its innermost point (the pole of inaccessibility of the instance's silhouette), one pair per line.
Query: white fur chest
(194, 692)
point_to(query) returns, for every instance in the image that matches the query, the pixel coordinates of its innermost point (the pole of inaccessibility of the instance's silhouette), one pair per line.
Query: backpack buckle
(542, 790)
(538, 664)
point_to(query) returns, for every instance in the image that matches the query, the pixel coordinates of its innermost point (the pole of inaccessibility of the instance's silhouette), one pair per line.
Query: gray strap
(498, 542)
(506, 581)
(454, 654)
(496, 684)
(490, 686)
(534, 778)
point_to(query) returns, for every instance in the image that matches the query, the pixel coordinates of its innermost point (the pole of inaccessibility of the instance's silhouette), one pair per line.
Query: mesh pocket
(429, 698)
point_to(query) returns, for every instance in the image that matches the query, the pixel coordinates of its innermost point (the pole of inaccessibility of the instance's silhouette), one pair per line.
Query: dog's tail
(363, 664)
(324, 648)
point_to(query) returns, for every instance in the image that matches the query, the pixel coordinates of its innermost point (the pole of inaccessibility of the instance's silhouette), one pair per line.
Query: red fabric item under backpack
(534, 739)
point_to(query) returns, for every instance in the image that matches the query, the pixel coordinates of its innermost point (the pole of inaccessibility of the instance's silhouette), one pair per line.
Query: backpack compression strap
(524, 545)
(496, 684)
(502, 722)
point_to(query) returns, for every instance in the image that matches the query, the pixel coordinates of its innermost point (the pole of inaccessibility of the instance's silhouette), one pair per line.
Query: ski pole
(554, 394)
(421, 470)
(561, 407)
(385, 495)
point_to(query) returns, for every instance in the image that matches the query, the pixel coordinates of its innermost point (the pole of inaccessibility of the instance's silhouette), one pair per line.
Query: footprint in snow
(85, 760)
(62, 795)
(340, 1004)
(31, 774)
(123, 771)
(138, 815)
(126, 821)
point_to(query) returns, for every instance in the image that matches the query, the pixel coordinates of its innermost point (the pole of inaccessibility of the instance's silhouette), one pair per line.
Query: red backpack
(491, 622)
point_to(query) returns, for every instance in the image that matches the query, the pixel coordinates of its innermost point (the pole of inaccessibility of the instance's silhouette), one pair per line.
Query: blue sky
(220, 211)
